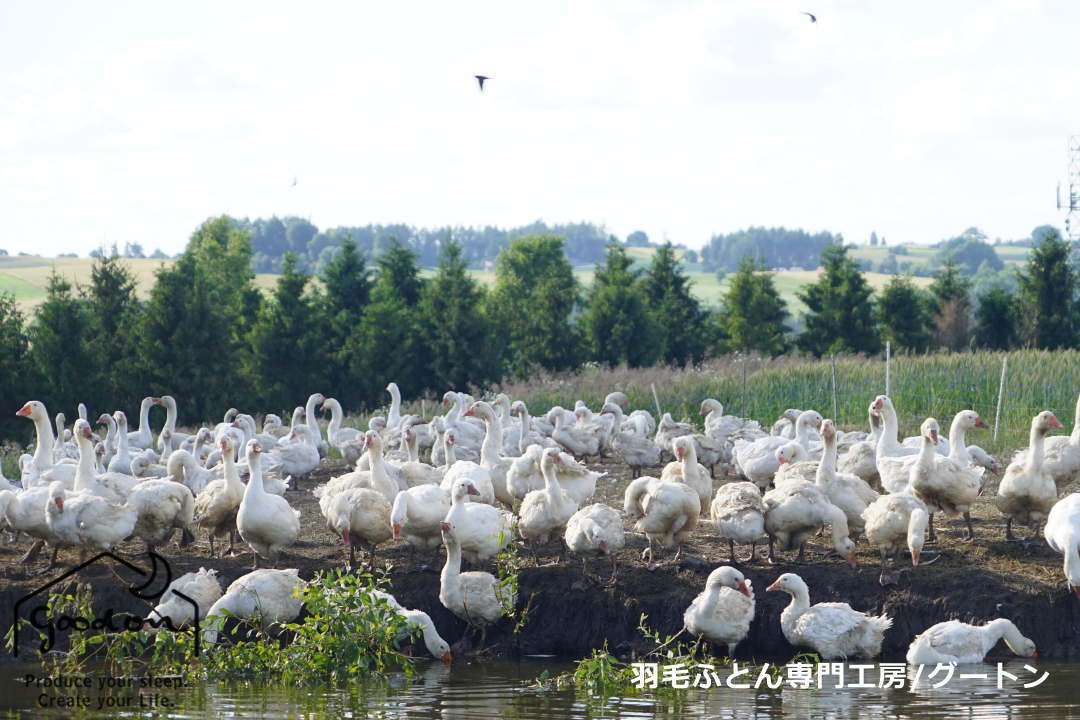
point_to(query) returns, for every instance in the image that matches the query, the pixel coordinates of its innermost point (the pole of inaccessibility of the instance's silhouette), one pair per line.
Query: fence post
(835, 409)
(888, 358)
(656, 400)
(745, 413)
(423, 408)
(1001, 394)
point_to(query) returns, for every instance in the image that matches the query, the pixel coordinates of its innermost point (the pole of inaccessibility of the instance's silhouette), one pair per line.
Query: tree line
(209, 337)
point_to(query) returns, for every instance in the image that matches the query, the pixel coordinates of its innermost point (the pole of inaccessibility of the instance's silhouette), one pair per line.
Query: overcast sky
(134, 122)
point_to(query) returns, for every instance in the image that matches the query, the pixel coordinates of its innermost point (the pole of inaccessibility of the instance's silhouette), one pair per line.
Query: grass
(936, 385)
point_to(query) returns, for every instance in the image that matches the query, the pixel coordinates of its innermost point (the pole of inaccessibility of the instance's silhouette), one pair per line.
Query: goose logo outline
(106, 622)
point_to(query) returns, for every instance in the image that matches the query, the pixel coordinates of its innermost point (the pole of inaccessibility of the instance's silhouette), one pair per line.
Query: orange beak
(980, 423)
(852, 561)
(743, 589)
(447, 657)
(774, 586)
(1054, 422)
(472, 490)
(345, 537)
(24, 411)
(783, 460)
(397, 531)
(915, 558)
(1035, 654)
(60, 502)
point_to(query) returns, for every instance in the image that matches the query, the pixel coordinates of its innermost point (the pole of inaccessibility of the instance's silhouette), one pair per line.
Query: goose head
(451, 438)
(479, 409)
(1045, 421)
(709, 405)
(34, 410)
(465, 487)
(449, 397)
(791, 452)
(827, 429)
(789, 583)
(610, 408)
(55, 504)
(517, 408)
(930, 430)
(82, 431)
(728, 577)
(619, 398)
(682, 446)
(121, 421)
(549, 459)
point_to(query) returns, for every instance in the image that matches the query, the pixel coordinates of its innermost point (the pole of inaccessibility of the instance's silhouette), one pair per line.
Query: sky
(134, 122)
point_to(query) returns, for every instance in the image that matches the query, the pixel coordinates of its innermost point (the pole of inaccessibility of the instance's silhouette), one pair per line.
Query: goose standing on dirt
(1062, 532)
(269, 596)
(546, 512)
(296, 456)
(891, 521)
(943, 484)
(636, 450)
(85, 521)
(794, 512)
(311, 415)
(667, 430)
(667, 512)
(475, 597)
(723, 611)
(360, 515)
(835, 631)
(954, 642)
(578, 441)
(216, 506)
(201, 586)
(739, 516)
(596, 530)
(686, 469)
(267, 523)
(1027, 492)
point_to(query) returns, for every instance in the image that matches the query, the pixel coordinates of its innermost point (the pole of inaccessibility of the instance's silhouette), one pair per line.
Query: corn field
(761, 388)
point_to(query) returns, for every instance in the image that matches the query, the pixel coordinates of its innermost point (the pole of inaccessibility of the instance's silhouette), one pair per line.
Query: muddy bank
(569, 614)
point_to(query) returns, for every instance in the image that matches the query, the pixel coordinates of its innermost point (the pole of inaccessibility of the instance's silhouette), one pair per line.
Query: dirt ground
(569, 613)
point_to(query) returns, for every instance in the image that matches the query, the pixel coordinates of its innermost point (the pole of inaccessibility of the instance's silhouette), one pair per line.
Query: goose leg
(614, 571)
(753, 548)
(885, 578)
(931, 536)
(229, 550)
(971, 531)
(731, 550)
(211, 537)
(1009, 537)
(802, 551)
(772, 554)
(32, 552)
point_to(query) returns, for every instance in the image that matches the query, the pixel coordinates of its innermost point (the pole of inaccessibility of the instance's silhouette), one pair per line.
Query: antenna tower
(1071, 203)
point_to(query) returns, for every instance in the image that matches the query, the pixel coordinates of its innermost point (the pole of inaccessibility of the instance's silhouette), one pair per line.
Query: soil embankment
(570, 614)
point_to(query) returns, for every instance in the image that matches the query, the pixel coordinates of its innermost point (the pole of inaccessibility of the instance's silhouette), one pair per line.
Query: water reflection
(501, 690)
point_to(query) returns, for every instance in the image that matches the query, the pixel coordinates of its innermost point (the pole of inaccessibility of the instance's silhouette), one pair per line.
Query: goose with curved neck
(847, 492)
(474, 597)
(635, 449)
(393, 415)
(546, 512)
(171, 417)
(143, 438)
(722, 613)
(110, 441)
(795, 511)
(313, 402)
(888, 445)
(121, 462)
(963, 644)
(1027, 492)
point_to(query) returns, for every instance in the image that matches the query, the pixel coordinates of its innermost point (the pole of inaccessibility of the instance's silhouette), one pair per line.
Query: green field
(25, 277)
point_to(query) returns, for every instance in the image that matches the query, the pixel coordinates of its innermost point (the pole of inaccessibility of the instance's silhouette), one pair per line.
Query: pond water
(502, 690)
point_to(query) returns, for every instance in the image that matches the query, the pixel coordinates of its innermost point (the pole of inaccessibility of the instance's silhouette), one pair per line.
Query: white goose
(416, 515)
(738, 513)
(524, 476)
(636, 450)
(795, 511)
(686, 469)
(490, 449)
(723, 611)
(667, 512)
(360, 515)
(667, 430)
(121, 461)
(834, 630)
(847, 492)
(297, 455)
(475, 597)
(269, 596)
(201, 586)
(43, 469)
(217, 505)
(337, 435)
(579, 442)
(943, 484)
(1062, 532)
(267, 523)
(419, 620)
(596, 530)
(756, 459)
(169, 402)
(85, 521)
(1061, 454)
(892, 521)
(480, 529)
(142, 438)
(954, 642)
(546, 512)
(527, 434)
(891, 464)
(861, 457)
(1027, 492)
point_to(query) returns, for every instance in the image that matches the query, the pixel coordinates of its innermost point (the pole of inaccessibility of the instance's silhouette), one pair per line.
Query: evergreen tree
(287, 342)
(58, 346)
(1048, 286)
(904, 315)
(347, 282)
(685, 325)
(17, 370)
(456, 333)
(754, 313)
(112, 317)
(386, 346)
(534, 294)
(840, 308)
(996, 319)
(195, 327)
(951, 307)
(616, 324)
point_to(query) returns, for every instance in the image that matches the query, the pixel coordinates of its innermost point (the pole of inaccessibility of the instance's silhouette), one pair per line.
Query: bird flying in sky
(813, 18)
(480, 79)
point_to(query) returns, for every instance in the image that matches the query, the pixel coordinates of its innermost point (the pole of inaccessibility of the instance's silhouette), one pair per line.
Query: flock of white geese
(492, 470)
